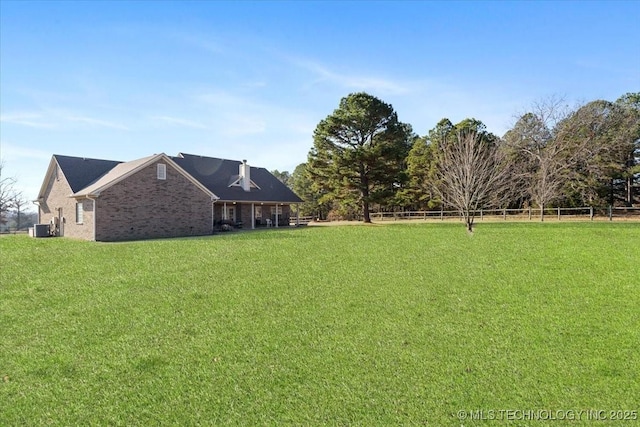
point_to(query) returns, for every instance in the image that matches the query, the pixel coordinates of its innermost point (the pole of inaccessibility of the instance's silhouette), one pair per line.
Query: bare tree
(472, 174)
(19, 203)
(550, 175)
(7, 195)
(544, 161)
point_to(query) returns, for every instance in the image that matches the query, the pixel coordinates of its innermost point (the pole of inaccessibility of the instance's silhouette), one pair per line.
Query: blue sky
(251, 80)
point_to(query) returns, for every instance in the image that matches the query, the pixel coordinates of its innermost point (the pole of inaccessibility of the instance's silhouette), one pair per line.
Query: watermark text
(547, 414)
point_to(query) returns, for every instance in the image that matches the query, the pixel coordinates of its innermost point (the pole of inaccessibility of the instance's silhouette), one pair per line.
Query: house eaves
(53, 165)
(217, 175)
(78, 172)
(125, 170)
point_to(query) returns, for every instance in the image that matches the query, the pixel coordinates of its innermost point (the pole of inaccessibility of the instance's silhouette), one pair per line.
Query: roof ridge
(85, 158)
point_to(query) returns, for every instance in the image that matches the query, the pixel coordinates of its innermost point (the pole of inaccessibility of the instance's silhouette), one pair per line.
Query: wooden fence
(302, 220)
(530, 214)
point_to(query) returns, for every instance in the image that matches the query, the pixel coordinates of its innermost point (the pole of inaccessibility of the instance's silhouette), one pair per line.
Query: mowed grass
(364, 325)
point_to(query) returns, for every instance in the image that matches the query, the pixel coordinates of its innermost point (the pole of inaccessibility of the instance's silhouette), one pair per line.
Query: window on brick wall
(162, 171)
(79, 213)
(275, 209)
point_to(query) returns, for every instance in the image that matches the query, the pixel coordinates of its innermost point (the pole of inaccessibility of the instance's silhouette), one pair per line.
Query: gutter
(37, 203)
(95, 214)
(213, 213)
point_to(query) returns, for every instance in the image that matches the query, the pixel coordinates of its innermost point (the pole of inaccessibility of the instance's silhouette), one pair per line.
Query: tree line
(364, 159)
(14, 206)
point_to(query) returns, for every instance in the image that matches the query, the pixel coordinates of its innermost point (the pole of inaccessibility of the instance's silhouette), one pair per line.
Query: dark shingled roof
(81, 172)
(217, 174)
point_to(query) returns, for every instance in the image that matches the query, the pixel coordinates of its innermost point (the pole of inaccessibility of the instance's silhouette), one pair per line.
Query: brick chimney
(245, 176)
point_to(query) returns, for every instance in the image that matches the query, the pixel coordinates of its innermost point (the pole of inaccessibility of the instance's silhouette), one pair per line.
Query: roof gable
(236, 181)
(216, 174)
(79, 172)
(115, 175)
(126, 169)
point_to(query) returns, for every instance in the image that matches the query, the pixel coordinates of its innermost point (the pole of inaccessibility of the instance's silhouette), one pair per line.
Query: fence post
(529, 213)
(558, 213)
(481, 215)
(591, 213)
(504, 214)
(441, 215)
(610, 213)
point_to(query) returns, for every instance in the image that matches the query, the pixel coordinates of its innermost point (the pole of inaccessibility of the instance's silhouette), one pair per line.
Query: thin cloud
(241, 125)
(352, 81)
(56, 119)
(233, 115)
(94, 122)
(238, 115)
(254, 84)
(224, 99)
(12, 152)
(33, 120)
(176, 121)
(207, 43)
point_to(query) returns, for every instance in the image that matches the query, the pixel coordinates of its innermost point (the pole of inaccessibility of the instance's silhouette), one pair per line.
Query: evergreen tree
(604, 135)
(359, 152)
(303, 186)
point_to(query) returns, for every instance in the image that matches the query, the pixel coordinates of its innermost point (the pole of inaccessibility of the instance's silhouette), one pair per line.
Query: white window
(162, 171)
(273, 210)
(79, 213)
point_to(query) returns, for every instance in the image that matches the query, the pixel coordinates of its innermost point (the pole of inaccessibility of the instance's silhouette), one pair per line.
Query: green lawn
(372, 325)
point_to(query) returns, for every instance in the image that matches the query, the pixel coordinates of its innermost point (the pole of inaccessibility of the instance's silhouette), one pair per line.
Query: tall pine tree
(360, 150)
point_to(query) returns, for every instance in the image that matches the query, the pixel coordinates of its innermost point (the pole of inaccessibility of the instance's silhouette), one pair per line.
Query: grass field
(372, 325)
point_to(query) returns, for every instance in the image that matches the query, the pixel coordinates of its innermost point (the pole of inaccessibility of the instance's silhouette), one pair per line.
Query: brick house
(158, 196)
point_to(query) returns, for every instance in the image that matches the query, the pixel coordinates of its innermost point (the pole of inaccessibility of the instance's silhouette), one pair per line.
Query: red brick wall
(143, 207)
(57, 203)
(245, 214)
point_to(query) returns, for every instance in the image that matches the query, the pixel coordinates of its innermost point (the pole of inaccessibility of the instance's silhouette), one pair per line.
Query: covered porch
(252, 215)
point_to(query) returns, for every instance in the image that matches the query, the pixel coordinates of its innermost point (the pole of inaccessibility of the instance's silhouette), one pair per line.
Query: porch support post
(224, 212)
(297, 214)
(276, 215)
(213, 215)
(253, 216)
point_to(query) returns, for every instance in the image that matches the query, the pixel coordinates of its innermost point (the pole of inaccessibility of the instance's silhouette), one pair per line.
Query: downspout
(60, 231)
(37, 203)
(213, 215)
(253, 216)
(95, 215)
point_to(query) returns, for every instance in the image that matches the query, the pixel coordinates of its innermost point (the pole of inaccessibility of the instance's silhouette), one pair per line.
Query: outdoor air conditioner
(40, 230)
